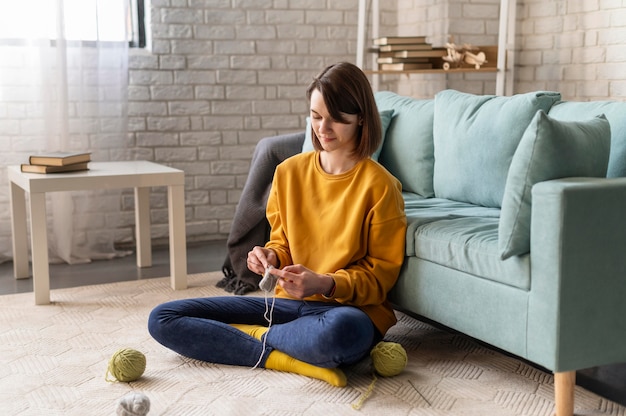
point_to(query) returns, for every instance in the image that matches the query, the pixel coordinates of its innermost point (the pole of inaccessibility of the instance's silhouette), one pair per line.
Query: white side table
(140, 175)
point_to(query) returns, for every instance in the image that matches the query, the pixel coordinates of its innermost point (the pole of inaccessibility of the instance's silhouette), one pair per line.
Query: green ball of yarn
(126, 365)
(389, 358)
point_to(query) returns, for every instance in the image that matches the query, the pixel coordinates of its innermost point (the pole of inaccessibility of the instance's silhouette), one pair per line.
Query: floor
(608, 381)
(203, 257)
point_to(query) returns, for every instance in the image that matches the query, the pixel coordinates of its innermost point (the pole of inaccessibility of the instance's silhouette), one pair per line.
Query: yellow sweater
(351, 226)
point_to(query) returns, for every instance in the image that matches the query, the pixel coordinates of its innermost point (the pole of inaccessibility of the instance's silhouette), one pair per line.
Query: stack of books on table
(405, 53)
(57, 162)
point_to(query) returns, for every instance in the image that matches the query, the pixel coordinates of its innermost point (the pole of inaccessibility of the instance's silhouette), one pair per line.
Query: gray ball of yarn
(133, 404)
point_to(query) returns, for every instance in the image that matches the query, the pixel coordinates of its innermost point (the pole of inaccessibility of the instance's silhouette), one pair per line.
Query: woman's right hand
(260, 258)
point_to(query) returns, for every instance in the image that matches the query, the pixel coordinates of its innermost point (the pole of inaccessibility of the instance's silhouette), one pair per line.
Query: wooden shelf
(502, 63)
(435, 71)
(491, 53)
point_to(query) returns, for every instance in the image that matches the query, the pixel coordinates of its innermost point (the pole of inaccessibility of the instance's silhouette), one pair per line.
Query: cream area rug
(54, 360)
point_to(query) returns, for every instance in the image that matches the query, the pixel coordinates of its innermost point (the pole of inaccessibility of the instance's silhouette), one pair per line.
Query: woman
(336, 247)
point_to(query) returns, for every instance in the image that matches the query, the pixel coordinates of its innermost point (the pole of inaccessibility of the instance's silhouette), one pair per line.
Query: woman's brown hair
(346, 89)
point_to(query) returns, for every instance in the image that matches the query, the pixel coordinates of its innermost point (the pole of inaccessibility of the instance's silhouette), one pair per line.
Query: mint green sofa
(516, 210)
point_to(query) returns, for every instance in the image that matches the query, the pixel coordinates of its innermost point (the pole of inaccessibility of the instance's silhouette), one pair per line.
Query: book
(434, 53)
(392, 60)
(405, 47)
(59, 158)
(394, 40)
(404, 66)
(54, 169)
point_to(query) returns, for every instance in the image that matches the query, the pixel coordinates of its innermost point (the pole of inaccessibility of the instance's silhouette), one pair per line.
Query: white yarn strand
(268, 315)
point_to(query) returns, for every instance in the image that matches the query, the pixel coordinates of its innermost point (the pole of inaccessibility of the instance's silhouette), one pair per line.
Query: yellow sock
(255, 331)
(278, 360)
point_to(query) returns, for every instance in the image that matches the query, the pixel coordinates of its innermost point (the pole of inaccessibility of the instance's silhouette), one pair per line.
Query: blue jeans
(319, 333)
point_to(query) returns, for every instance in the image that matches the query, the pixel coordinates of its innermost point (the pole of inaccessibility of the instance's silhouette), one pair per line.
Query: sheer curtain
(63, 87)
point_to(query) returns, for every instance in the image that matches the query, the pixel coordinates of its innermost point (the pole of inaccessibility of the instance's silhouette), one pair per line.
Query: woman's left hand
(300, 282)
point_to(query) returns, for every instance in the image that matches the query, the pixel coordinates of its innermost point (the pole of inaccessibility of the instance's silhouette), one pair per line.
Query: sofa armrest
(577, 299)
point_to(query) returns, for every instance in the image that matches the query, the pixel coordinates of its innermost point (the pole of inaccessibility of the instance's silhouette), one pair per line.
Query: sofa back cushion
(549, 149)
(475, 137)
(615, 112)
(408, 149)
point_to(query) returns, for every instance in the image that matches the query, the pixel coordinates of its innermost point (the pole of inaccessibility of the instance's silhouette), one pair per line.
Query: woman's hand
(260, 258)
(301, 282)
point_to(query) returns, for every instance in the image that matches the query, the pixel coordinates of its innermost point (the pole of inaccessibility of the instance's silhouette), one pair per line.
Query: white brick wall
(575, 47)
(220, 76)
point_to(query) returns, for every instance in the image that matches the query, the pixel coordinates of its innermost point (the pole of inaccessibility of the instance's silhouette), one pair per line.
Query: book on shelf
(54, 169)
(394, 40)
(406, 47)
(393, 55)
(434, 53)
(394, 60)
(59, 158)
(404, 66)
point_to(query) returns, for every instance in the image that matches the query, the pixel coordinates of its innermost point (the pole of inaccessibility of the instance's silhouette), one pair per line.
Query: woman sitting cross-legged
(336, 247)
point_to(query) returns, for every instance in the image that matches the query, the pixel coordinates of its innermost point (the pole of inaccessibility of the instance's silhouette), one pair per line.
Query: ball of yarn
(126, 365)
(389, 358)
(133, 404)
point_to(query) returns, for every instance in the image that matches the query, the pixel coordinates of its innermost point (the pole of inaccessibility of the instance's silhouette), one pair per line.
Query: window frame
(138, 16)
(137, 35)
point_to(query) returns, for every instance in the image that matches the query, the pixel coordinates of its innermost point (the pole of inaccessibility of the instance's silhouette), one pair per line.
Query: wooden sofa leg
(564, 383)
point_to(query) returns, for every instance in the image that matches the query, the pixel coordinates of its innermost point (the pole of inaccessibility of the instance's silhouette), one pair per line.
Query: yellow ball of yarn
(126, 365)
(389, 358)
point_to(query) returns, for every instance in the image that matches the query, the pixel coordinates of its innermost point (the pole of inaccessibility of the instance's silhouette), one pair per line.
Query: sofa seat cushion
(475, 137)
(408, 150)
(470, 245)
(420, 211)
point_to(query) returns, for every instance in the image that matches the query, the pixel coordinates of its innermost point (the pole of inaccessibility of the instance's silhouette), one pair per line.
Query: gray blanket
(250, 227)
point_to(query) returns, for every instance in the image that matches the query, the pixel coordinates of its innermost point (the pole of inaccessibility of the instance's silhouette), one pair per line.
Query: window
(80, 20)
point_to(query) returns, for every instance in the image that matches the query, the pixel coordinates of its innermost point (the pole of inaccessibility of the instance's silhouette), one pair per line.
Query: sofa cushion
(470, 245)
(385, 119)
(615, 112)
(549, 149)
(408, 149)
(420, 211)
(475, 137)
